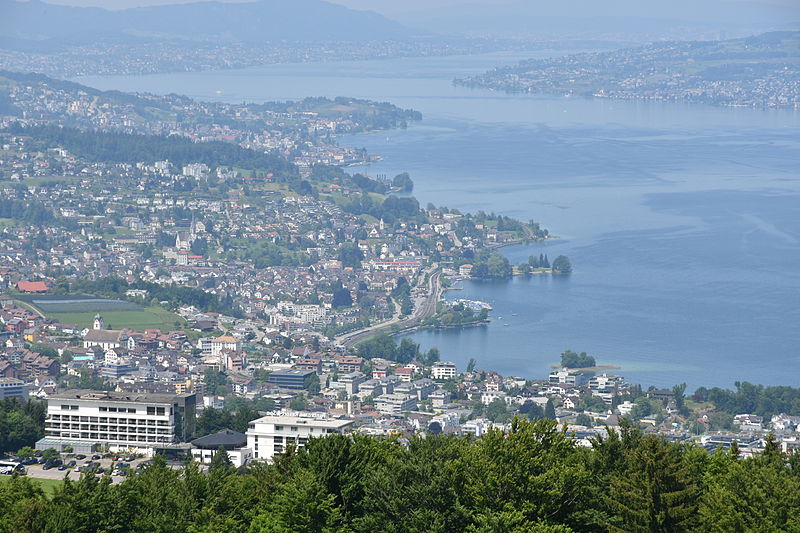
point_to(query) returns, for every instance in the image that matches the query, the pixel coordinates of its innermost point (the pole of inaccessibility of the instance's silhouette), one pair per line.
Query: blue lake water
(682, 221)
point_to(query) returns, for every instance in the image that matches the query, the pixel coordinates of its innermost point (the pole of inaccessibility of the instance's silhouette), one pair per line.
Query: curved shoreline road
(424, 307)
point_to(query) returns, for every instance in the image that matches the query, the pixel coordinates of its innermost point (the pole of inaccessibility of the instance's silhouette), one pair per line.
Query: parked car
(96, 457)
(62, 467)
(80, 456)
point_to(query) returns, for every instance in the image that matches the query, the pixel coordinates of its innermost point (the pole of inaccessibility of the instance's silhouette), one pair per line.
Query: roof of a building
(32, 286)
(317, 421)
(101, 395)
(298, 372)
(227, 438)
(103, 335)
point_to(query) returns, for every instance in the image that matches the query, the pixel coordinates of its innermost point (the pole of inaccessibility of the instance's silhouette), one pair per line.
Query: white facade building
(443, 370)
(395, 404)
(301, 313)
(568, 376)
(13, 388)
(225, 342)
(88, 420)
(272, 434)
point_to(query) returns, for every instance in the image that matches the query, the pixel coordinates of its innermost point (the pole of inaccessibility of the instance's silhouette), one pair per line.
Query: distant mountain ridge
(260, 21)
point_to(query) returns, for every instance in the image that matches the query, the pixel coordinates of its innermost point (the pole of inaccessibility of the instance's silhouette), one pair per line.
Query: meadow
(47, 485)
(143, 319)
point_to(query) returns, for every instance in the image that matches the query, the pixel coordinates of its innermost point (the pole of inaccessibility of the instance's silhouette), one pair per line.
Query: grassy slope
(47, 485)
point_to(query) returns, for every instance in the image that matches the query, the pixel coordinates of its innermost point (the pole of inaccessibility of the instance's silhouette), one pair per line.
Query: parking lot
(38, 471)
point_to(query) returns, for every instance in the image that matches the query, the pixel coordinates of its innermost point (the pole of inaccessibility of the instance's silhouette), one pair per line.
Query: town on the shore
(236, 287)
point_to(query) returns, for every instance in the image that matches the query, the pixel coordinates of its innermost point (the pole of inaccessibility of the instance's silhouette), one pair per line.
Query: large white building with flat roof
(395, 404)
(89, 420)
(443, 370)
(271, 435)
(13, 388)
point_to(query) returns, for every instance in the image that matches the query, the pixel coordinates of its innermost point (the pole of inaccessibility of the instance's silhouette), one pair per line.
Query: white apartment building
(395, 404)
(479, 427)
(489, 396)
(443, 370)
(13, 388)
(89, 420)
(439, 397)
(195, 170)
(352, 382)
(272, 434)
(224, 342)
(302, 313)
(568, 376)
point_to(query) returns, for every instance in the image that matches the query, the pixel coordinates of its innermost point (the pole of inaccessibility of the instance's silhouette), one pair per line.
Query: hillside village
(273, 288)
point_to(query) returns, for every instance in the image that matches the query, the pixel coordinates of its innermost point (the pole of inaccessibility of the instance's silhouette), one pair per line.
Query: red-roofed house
(32, 286)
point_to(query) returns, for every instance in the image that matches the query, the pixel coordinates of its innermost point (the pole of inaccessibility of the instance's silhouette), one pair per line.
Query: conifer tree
(655, 492)
(220, 462)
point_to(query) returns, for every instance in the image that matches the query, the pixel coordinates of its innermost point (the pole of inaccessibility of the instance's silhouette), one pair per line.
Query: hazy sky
(388, 7)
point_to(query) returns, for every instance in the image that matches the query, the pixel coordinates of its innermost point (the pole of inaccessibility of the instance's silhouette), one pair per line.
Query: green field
(7, 223)
(147, 318)
(47, 485)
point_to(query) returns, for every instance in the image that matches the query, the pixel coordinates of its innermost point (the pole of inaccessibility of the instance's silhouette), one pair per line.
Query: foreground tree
(654, 492)
(301, 504)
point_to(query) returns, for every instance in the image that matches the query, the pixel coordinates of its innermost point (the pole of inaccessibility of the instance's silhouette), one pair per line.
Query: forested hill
(22, 93)
(533, 479)
(132, 148)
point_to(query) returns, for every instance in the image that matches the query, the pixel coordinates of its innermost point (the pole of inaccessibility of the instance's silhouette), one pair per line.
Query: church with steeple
(102, 337)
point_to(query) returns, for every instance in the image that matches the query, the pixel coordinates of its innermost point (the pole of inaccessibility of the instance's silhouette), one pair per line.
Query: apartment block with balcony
(89, 420)
(272, 434)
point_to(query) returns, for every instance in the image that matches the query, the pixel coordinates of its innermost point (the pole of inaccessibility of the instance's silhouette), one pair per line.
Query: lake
(682, 221)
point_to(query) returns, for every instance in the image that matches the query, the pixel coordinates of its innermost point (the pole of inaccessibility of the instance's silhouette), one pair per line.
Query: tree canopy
(529, 478)
(570, 359)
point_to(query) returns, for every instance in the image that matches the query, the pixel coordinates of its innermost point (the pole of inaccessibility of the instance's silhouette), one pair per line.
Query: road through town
(424, 307)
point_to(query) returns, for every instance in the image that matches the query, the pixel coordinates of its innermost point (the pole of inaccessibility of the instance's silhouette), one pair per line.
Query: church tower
(99, 323)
